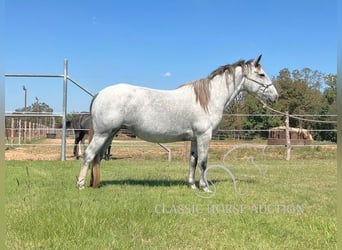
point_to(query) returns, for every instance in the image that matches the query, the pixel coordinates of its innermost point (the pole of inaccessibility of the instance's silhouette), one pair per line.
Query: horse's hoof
(79, 184)
(192, 186)
(206, 189)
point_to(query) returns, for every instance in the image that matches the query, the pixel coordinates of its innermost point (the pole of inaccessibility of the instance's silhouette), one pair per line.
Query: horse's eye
(260, 74)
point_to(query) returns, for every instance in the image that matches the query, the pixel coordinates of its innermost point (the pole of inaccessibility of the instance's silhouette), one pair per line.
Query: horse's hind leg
(107, 154)
(203, 142)
(106, 150)
(78, 139)
(192, 164)
(92, 153)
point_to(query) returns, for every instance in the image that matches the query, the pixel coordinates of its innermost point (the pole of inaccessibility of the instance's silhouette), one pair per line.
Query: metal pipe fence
(65, 92)
(19, 119)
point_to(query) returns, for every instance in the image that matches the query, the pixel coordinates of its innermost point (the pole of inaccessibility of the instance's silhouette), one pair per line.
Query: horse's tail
(95, 169)
(91, 127)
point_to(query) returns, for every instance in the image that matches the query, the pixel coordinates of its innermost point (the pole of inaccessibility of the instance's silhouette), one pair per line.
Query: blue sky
(158, 44)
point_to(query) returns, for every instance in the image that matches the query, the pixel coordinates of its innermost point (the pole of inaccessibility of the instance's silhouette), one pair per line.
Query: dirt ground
(50, 149)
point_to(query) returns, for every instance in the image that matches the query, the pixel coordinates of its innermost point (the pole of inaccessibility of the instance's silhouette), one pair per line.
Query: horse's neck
(223, 92)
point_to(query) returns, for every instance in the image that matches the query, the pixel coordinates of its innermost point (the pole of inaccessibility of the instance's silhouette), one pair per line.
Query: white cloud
(167, 74)
(94, 20)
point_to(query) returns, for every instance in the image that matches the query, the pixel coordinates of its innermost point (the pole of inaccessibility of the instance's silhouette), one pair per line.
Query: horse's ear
(257, 61)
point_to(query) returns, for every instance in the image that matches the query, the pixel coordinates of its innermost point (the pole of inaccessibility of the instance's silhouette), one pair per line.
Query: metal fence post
(287, 136)
(65, 89)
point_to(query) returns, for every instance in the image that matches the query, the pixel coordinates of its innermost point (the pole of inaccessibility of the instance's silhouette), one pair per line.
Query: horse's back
(81, 121)
(154, 115)
(129, 98)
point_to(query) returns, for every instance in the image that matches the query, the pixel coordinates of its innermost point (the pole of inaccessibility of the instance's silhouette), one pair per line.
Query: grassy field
(145, 204)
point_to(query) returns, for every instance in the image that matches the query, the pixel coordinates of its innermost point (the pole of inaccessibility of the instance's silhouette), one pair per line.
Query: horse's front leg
(77, 140)
(83, 173)
(203, 143)
(76, 149)
(192, 164)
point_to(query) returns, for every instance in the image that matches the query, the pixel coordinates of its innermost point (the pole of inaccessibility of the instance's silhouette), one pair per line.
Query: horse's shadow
(112, 158)
(160, 182)
(141, 182)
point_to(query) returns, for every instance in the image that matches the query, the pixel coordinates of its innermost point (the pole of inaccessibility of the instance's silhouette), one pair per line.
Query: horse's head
(257, 82)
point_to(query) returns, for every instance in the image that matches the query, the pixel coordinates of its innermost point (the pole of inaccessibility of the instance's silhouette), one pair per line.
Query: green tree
(328, 107)
(301, 92)
(37, 107)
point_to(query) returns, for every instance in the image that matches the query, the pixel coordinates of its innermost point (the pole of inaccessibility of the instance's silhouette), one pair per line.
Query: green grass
(145, 204)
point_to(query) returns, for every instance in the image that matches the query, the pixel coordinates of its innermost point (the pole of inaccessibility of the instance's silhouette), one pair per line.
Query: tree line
(301, 92)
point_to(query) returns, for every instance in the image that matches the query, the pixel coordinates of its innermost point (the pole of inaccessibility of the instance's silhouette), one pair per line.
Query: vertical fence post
(65, 89)
(287, 136)
(19, 132)
(30, 131)
(25, 131)
(39, 129)
(12, 131)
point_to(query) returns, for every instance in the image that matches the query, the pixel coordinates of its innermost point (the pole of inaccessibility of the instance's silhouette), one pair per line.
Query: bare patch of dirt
(50, 149)
(47, 149)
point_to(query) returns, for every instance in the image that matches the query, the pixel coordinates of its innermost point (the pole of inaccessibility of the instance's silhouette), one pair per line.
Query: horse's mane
(229, 68)
(202, 86)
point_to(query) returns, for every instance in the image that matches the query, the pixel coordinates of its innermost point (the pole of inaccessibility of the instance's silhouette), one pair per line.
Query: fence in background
(29, 129)
(65, 78)
(25, 128)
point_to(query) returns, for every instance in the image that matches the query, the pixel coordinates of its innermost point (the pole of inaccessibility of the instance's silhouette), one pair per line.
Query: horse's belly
(160, 135)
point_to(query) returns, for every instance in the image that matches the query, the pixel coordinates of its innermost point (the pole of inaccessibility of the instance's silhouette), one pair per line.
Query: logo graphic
(250, 159)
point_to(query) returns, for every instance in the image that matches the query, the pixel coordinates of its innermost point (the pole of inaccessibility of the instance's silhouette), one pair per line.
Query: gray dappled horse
(192, 112)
